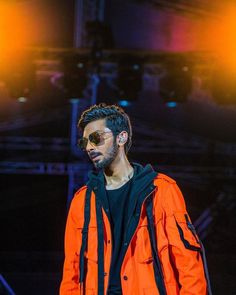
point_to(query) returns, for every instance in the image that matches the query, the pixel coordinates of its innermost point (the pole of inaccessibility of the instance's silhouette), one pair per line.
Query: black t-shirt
(119, 202)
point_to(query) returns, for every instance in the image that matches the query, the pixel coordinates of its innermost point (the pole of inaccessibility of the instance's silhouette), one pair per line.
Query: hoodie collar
(142, 176)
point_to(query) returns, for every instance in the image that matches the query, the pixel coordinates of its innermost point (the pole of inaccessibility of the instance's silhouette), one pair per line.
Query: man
(128, 231)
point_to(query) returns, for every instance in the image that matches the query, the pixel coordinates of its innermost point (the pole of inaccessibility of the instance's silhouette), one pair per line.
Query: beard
(109, 158)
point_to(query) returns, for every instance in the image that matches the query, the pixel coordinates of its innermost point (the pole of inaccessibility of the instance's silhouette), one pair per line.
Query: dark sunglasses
(95, 138)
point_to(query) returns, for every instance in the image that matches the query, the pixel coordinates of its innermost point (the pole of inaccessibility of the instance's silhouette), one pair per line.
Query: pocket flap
(80, 223)
(143, 245)
(91, 252)
(186, 231)
(180, 216)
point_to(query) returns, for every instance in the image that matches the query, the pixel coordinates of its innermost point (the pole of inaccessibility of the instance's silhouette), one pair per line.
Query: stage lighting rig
(20, 75)
(130, 78)
(223, 85)
(75, 75)
(176, 84)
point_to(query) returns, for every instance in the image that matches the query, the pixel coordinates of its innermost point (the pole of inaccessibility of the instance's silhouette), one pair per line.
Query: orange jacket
(179, 249)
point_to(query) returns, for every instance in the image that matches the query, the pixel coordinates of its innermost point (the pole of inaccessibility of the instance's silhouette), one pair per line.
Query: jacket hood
(142, 176)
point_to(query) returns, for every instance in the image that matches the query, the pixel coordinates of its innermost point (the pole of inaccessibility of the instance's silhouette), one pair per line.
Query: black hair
(115, 119)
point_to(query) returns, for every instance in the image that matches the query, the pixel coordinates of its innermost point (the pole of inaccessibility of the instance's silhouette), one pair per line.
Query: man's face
(104, 153)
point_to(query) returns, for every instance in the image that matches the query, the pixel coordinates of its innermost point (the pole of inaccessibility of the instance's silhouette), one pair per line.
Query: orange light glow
(16, 31)
(222, 37)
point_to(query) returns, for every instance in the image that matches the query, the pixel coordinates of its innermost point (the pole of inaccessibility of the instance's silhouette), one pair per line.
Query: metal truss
(34, 143)
(32, 120)
(200, 174)
(76, 172)
(182, 147)
(158, 143)
(186, 173)
(163, 141)
(196, 7)
(225, 200)
(86, 10)
(77, 176)
(46, 168)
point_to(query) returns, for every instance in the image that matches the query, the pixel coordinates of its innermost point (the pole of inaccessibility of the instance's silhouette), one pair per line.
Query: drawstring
(100, 238)
(84, 236)
(100, 249)
(156, 262)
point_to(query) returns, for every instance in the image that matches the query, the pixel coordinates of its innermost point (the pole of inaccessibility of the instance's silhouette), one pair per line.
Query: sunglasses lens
(95, 138)
(83, 143)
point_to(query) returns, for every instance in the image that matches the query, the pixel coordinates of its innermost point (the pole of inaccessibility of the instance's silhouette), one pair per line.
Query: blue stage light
(124, 103)
(171, 104)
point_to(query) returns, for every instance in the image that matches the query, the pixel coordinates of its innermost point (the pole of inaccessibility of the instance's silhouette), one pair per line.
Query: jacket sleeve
(184, 245)
(73, 236)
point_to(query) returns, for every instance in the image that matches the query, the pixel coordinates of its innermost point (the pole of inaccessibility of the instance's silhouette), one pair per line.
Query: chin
(98, 164)
(101, 164)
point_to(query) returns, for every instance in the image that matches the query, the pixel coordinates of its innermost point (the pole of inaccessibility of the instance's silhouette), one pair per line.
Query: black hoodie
(142, 182)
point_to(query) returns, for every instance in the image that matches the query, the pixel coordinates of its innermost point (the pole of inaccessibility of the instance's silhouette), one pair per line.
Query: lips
(93, 156)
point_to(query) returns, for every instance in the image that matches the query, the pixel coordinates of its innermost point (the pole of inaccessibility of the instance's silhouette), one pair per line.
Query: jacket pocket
(91, 253)
(187, 231)
(144, 250)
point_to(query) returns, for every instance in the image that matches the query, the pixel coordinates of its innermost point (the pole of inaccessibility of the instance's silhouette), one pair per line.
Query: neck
(118, 173)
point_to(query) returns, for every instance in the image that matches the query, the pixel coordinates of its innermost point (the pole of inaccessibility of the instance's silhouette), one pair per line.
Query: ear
(122, 138)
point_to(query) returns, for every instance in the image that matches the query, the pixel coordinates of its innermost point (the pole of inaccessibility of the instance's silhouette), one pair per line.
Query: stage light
(171, 104)
(12, 30)
(223, 85)
(130, 78)
(20, 76)
(176, 84)
(124, 103)
(75, 75)
(22, 99)
(221, 36)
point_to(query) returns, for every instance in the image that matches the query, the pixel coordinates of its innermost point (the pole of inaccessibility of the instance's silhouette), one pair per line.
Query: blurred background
(170, 64)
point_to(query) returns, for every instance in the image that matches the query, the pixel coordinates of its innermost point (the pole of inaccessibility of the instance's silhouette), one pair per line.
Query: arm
(184, 246)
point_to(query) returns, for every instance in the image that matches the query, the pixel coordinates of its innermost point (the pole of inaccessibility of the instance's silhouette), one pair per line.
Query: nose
(89, 147)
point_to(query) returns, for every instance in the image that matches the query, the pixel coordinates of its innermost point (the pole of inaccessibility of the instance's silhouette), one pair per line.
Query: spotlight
(176, 85)
(22, 99)
(124, 103)
(223, 86)
(20, 79)
(130, 78)
(75, 75)
(171, 104)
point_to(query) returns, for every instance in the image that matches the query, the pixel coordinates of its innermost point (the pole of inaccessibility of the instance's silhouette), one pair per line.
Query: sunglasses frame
(91, 139)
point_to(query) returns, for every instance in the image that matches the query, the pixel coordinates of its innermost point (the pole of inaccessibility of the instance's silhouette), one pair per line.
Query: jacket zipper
(136, 227)
(139, 217)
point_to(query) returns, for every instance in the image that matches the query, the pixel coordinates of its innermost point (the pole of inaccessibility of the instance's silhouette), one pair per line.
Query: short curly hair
(115, 119)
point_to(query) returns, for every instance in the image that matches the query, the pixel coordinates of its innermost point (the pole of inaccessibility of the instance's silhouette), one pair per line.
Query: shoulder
(77, 202)
(168, 195)
(80, 193)
(163, 179)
